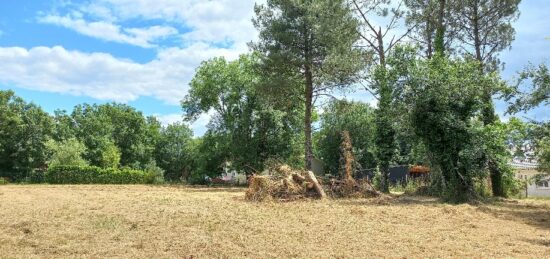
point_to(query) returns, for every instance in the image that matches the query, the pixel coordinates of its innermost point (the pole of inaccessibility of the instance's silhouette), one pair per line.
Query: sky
(60, 53)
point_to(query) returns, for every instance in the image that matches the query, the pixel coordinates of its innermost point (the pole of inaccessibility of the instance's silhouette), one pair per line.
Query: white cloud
(209, 21)
(103, 76)
(217, 22)
(143, 37)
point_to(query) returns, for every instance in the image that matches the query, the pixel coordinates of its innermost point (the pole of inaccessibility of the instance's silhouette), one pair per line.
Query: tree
(356, 118)
(537, 94)
(308, 49)
(24, 129)
(445, 98)
(486, 29)
(63, 126)
(99, 126)
(424, 17)
(381, 82)
(174, 151)
(109, 154)
(66, 153)
(250, 127)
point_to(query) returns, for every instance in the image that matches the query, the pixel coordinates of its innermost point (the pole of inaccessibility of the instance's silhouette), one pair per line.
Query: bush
(97, 175)
(3, 181)
(36, 176)
(152, 168)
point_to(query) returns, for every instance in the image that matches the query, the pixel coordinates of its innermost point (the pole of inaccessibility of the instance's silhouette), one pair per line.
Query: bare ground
(101, 221)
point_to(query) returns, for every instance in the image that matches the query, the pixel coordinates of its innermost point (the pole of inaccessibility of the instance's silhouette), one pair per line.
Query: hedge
(96, 175)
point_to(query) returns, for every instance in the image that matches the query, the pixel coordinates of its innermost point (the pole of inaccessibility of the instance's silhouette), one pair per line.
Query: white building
(537, 185)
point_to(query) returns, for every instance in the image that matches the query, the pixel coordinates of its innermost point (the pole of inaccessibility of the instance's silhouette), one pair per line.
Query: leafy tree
(64, 127)
(308, 49)
(539, 92)
(445, 97)
(382, 83)
(209, 157)
(356, 118)
(109, 154)
(66, 153)
(250, 129)
(174, 151)
(24, 129)
(99, 126)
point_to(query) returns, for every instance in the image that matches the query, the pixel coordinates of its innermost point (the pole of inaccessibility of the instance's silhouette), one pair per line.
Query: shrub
(3, 181)
(67, 152)
(97, 175)
(152, 168)
(36, 176)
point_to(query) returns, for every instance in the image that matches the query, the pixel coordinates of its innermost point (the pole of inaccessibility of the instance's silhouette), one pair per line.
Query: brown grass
(182, 222)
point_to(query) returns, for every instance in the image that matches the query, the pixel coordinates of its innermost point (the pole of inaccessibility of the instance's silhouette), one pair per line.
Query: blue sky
(59, 53)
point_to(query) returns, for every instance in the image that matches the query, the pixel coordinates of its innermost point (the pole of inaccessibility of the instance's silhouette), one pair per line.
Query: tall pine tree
(309, 50)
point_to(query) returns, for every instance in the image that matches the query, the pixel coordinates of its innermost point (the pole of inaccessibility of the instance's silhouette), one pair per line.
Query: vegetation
(308, 50)
(97, 175)
(431, 66)
(149, 221)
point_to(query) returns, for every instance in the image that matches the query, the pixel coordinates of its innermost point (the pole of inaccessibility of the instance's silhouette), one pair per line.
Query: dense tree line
(431, 65)
(107, 136)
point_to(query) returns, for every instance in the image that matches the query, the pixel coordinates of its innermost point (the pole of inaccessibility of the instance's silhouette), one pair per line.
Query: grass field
(181, 222)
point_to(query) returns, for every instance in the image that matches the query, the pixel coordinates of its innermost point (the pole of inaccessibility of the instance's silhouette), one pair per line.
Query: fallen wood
(298, 178)
(318, 188)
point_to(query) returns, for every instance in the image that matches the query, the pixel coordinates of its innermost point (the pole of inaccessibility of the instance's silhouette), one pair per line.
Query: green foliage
(245, 130)
(151, 168)
(308, 48)
(101, 126)
(210, 156)
(109, 155)
(174, 151)
(485, 26)
(537, 94)
(543, 154)
(97, 175)
(490, 145)
(445, 96)
(67, 152)
(355, 117)
(24, 129)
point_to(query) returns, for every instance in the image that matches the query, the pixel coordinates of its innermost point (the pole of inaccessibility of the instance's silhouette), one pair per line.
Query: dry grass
(169, 222)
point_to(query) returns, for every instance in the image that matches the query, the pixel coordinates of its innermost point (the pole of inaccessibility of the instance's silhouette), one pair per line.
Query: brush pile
(284, 184)
(350, 188)
(347, 186)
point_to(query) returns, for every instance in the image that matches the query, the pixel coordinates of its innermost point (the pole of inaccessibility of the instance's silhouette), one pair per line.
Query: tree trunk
(318, 188)
(477, 41)
(429, 50)
(307, 117)
(440, 32)
(488, 112)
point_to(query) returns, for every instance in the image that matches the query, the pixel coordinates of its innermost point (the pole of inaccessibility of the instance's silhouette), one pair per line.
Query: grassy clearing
(167, 222)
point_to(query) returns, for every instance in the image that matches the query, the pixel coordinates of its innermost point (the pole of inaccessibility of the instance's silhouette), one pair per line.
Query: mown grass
(139, 221)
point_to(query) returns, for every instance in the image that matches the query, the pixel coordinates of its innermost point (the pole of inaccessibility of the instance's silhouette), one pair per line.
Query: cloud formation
(103, 76)
(206, 28)
(142, 37)
(217, 22)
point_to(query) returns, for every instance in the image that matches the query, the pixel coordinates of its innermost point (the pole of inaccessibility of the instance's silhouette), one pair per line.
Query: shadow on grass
(534, 214)
(204, 188)
(537, 215)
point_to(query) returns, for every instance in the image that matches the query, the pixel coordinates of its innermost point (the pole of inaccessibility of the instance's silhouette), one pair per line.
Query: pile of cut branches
(285, 184)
